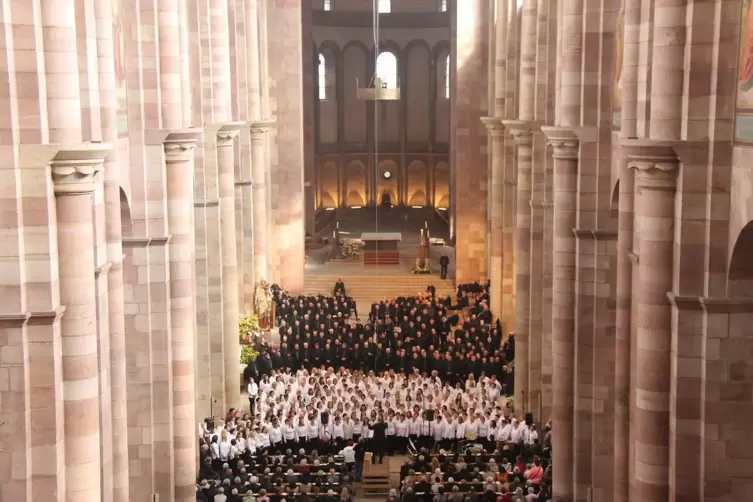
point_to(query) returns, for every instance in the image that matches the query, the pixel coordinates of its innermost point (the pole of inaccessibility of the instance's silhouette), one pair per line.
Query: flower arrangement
(349, 249)
(418, 269)
(249, 329)
(248, 354)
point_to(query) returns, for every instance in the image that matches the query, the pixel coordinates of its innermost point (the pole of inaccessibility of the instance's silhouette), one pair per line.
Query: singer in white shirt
(253, 391)
(275, 435)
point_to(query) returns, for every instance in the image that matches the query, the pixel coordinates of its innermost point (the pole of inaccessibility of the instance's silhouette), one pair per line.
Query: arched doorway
(386, 200)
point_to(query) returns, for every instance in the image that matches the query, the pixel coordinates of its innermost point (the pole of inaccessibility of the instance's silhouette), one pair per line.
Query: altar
(381, 248)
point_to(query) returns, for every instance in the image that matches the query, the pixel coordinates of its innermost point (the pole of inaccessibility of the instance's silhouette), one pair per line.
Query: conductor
(380, 438)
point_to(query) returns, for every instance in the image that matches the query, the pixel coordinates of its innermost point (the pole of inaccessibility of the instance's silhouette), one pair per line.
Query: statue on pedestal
(263, 305)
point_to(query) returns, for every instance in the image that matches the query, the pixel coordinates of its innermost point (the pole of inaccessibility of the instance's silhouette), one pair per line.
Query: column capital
(521, 130)
(494, 126)
(259, 128)
(75, 169)
(564, 141)
(179, 145)
(655, 162)
(226, 133)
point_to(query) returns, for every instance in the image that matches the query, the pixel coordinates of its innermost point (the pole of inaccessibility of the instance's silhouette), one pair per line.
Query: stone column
(168, 38)
(522, 132)
(656, 168)
(469, 139)
(61, 53)
(668, 69)
(219, 59)
(625, 230)
(114, 236)
(185, 64)
(226, 171)
(496, 186)
(179, 161)
(500, 59)
(508, 199)
(75, 174)
(252, 59)
(565, 153)
(259, 166)
(287, 191)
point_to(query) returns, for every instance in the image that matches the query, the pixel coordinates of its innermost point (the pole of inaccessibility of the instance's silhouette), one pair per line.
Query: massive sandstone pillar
(523, 135)
(565, 152)
(226, 172)
(496, 188)
(260, 167)
(656, 168)
(179, 155)
(522, 132)
(248, 203)
(469, 141)
(510, 166)
(287, 191)
(496, 185)
(75, 174)
(625, 229)
(271, 147)
(114, 237)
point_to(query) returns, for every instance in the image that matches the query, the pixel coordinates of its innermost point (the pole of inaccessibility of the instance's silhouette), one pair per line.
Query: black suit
(444, 262)
(379, 440)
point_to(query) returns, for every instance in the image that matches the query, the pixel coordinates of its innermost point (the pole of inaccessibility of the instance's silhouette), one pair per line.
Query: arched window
(322, 77)
(327, 4)
(386, 69)
(384, 6)
(447, 77)
(442, 5)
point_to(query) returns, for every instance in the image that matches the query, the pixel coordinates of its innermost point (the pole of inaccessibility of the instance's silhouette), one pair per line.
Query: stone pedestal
(75, 173)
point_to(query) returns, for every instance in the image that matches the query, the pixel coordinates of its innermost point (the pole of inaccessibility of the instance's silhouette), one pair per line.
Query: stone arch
(729, 369)
(355, 73)
(416, 176)
(442, 185)
(329, 186)
(439, 54)
(387, 186)
(740, 270)
(394, 48)
(614, 207)
(355, 183)
(126, 224)
(440, 49)
(418, 80)
(330, 51)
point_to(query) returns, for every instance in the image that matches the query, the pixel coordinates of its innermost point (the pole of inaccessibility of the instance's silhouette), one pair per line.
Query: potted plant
(349, 249)
(249, 329)
(418, 269)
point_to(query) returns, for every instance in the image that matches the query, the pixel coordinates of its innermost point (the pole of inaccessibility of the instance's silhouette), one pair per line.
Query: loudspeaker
(529, 419)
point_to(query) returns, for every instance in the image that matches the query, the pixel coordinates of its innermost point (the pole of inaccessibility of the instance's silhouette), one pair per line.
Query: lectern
(381, 248)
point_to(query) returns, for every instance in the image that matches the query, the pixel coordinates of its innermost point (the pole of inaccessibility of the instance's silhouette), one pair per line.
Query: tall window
(322, 77)
(384, 6)
(442, 5)
(447, 77)
(386, 69)
(327, 4)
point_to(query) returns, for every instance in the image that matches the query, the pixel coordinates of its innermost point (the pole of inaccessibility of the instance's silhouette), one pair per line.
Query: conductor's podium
(381, 248)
